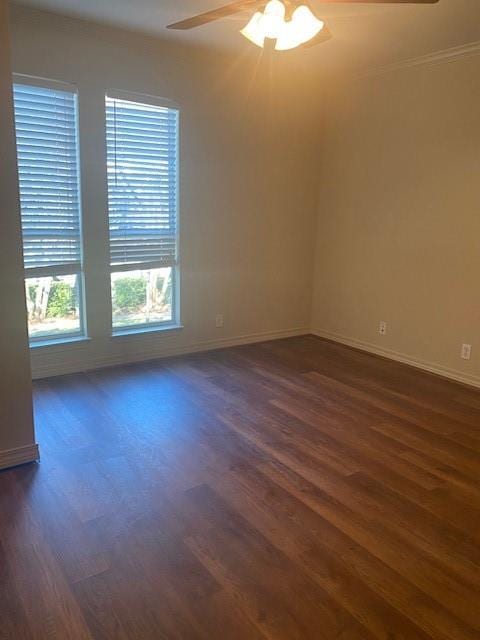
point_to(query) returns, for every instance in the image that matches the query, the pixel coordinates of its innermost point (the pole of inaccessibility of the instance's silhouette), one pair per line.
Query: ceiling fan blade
(379, 1)
(245, 5)
(217, 14)
(324, 36)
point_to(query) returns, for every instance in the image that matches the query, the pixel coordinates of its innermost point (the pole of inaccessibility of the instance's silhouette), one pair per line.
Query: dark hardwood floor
(292, 490)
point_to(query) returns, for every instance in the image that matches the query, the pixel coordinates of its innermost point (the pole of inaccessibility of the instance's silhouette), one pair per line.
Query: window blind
(46, 129)
(142, 183)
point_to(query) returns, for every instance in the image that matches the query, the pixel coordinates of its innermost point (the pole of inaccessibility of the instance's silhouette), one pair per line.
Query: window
(142, 154)
(47, 147)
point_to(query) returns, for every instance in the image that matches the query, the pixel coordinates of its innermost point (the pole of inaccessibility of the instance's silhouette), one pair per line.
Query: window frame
(175, 322)
(78, 269)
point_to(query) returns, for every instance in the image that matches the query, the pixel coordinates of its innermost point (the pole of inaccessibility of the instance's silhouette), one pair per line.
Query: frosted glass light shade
(289, 34)
(300, 29)
(253, 30)
(272, 19)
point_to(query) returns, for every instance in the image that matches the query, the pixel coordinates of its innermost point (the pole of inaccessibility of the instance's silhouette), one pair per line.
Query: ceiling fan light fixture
(306, 23)
(253, 30)
(301, 28)
(273, 19)
(288, 40)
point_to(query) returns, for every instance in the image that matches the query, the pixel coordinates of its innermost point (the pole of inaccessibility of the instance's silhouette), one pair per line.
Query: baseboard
(20, 455)
(66, 366)
(439, 370)
(153, 351)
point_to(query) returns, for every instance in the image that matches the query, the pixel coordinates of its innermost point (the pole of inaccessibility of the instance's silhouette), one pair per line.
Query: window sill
(122, 333)
(58, 342)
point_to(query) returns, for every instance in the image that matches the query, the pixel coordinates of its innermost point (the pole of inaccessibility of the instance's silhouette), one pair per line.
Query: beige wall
(248, 183)
(16, 425)
(399, 215)
(393, 165)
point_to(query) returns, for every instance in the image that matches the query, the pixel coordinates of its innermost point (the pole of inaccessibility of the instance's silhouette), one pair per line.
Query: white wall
(399, 216)
(16, 423)
(247, 196)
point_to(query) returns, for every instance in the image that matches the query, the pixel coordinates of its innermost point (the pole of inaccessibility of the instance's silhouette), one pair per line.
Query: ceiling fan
(290, 23)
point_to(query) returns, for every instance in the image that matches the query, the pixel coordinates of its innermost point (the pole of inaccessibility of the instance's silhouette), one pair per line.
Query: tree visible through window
(142, 141)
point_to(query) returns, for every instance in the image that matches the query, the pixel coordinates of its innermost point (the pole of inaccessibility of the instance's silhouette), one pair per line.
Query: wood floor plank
(14, 621)
(272, 590)
(365, 520)
(297, 530)
(291, 490)
(386, 569)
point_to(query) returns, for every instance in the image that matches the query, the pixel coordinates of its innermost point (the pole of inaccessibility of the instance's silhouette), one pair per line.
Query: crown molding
(442, 56)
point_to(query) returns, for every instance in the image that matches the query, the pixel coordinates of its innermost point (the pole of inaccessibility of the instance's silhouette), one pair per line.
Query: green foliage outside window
(61, 300)
(129, 293)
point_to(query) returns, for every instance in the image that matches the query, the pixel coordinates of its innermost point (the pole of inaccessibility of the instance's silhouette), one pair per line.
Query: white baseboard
(451, 374)
(150, 350)
(20, 455)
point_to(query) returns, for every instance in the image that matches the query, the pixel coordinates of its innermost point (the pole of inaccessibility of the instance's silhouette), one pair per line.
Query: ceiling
(364, 36)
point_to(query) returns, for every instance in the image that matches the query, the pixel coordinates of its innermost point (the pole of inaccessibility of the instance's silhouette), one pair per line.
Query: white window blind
(46, 128)
(142, 142)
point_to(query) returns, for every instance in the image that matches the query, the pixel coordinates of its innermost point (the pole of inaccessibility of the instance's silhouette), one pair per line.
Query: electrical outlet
(219, 320)
(466, 351)
(382, 328)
